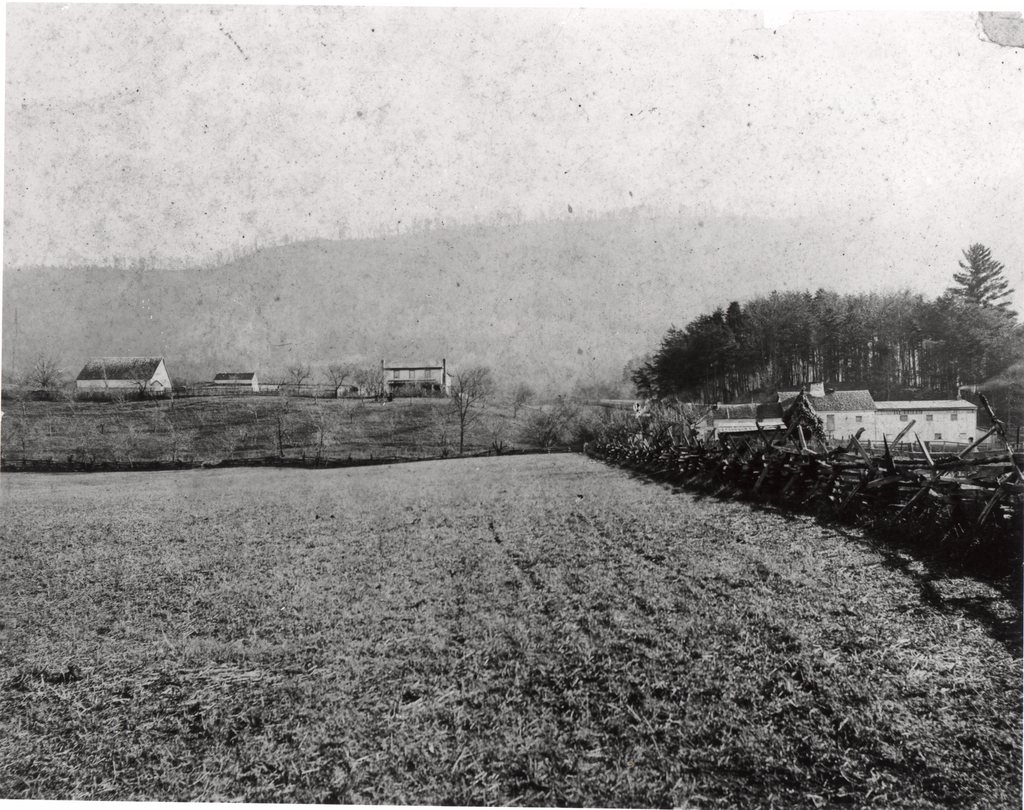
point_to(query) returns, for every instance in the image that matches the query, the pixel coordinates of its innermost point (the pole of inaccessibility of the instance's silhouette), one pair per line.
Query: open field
(210, 429)
(534, 630)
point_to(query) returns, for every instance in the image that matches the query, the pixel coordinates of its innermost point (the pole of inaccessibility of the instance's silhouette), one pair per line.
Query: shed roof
(747, 410)
(926, 405)
(234, 376)
(120, 368)
(737, 410)
(833, 402)
(744, 425)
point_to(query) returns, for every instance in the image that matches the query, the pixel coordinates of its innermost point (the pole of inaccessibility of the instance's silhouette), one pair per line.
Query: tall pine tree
(982, 281)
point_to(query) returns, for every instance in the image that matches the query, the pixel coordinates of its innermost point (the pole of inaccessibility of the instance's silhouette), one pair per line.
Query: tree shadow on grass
(953, 586)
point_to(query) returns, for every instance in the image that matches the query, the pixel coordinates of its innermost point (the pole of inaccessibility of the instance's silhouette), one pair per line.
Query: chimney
(817, 389)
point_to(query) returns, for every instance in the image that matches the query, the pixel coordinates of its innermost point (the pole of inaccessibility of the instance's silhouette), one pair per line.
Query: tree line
(897, 345)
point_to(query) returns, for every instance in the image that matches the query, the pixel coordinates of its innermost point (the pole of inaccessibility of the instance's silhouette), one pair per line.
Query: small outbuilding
(740, 420)
(111, 376)
(237, 380)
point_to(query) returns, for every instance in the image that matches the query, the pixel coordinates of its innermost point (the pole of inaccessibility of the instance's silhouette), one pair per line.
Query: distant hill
(550, 302)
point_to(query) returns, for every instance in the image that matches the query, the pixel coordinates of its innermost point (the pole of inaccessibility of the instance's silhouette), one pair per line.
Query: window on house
(830, 421)
(952, 416)
(860, 418)
(938, 437)
(903, 417)
(928, 418)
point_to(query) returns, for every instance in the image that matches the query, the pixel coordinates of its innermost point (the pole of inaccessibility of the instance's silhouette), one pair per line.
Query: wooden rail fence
(970, 503)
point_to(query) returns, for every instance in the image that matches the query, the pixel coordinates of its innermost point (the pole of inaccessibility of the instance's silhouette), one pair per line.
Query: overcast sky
(179, 130)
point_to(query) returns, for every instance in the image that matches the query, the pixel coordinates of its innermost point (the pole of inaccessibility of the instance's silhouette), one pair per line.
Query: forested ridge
(550, 303)
(897, 345)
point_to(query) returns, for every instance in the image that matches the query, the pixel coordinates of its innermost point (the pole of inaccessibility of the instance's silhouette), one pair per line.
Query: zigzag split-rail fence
(968, 505)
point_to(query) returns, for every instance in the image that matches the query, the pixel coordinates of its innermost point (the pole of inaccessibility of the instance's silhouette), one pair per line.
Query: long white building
(145, 375)
(936, 420)
(844, 413)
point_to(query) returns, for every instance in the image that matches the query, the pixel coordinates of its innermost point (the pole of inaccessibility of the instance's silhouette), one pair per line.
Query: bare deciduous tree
(178, 441)
(371, 380)
(280, 417)
(19, 431)
(522, 394)
(470, 389)
(320, 425)
(45, 374)
(298, 373)
(442, 431)
(128, 440)
(337, 373)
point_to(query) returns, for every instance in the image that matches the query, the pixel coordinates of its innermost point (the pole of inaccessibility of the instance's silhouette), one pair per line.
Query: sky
(179, 131)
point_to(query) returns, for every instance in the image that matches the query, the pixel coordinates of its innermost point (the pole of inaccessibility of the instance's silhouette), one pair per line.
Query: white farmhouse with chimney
(427, 375)
(843, 412)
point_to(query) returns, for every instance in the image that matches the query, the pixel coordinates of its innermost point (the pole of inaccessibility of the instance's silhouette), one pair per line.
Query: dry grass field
(211, 429)
(536, 630)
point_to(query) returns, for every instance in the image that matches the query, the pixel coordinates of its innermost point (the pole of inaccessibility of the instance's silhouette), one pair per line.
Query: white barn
(113, 375)
(237, 380)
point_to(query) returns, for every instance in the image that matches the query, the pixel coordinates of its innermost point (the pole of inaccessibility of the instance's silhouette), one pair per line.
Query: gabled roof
(120, 368)
(416, 365)
(234, 376)
(833, 402)
(926, 405)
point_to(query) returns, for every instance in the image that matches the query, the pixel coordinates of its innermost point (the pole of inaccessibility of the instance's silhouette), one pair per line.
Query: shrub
(565, 424)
